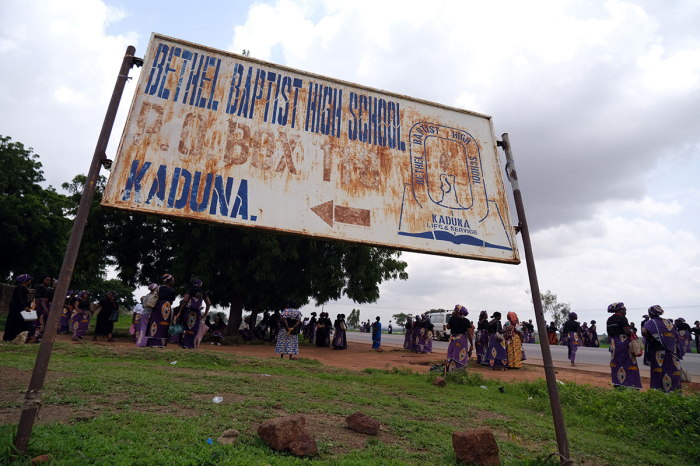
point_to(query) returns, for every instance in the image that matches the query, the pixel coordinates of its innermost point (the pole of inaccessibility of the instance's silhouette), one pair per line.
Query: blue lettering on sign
(220, 195)
(376, 122)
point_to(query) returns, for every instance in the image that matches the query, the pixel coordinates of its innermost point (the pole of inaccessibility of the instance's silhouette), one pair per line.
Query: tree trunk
(235, 316)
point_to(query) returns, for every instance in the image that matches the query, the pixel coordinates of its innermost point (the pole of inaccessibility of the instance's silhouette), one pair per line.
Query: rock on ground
(304, 445)
(229, 437)
(477, 447)
(363, 424)
(42, 459)
(439, 381)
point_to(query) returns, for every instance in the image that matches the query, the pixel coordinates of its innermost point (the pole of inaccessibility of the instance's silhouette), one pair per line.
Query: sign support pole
(32, 398)
(554, 401)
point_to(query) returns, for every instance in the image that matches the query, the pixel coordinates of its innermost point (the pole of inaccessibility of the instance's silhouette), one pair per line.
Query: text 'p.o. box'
(216, 137)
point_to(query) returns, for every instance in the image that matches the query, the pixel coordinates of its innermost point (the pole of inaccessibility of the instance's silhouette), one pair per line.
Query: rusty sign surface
(217, 137)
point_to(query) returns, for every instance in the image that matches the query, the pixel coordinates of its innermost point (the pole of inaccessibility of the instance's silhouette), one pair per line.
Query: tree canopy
(401, 318)
(554, 311)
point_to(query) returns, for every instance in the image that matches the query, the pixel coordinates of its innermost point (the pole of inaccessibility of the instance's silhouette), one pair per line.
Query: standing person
(376, 334)
(20, 302)
(312, 328)
(586, 335)
(572, 330)
(244, 329)
(514, 341)
(136, 318)
(288, 338)
(324, 340)
(696, 331)
(662, 338)
(143, 323)
(390, 328)
(104, 327)
(408, 338)
(428, 333)
(80, 320)
(339, 338)
(497, 353)
(458, 349)
(594, 335)
(159, 321)
(64, 320)
(41, 300)
(623, 365)
(419, 332)
(321, 330)
(482, 338)
(217, 329)
(552, 333)
(191, 309)
(684, 337)
(274, 326)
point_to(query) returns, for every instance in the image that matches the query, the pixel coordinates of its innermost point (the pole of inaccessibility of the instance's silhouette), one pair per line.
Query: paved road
(589, 358)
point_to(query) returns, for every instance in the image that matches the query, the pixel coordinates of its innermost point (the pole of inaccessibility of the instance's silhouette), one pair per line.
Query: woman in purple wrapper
(103, 325)
(458, 349)
(497, 353)
(684, 337)
(159, 321)
(586, 335)
(662, 339)
(696, 331)
(64, 320)
(80, 320)
(594, 335)
(312, 328)
(420, 335)
(623, 365)
(191, 307)
(428, 333)
(339, 337)
(482, 338)
(141, 335)
(41, 299)
(408, 342)
(20, 302)
(572, 330)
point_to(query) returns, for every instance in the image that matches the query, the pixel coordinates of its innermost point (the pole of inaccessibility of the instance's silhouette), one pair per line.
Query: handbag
(114, 316)
(635, 346)
(29, 316)
(152, 299)
(176, 329)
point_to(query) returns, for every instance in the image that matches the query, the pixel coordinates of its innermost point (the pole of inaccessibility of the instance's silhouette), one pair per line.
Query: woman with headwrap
(104, 327)
(159, 321)
(20, 302)
(339, 337)
(428, 333)
(458, 349)
(572, 331)
(376, 334)
(696, 331)
(552, 334)
(41, 300)
(80, 320)
(141, 323)
(497, 353)
(66, 313)
(482, 338)
(421, 334)
(311, 328)
(594, 335)
(585, 335)
(191, 310)
(514, 341)
(288, 338)
(662, 338)
(623, 365)
(408, 338)
(217, 329)
(684, 337)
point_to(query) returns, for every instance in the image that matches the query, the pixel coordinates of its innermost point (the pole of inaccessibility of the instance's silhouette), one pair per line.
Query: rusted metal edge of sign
(217, 137)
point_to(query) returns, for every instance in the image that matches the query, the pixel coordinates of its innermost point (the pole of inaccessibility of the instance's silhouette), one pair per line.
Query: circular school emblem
(463, 354)
(154, 328)
(667, 383)
(660, 358)
(621, 375)
(493, 352)
(191, 319)
(451, 367)
(165, 310)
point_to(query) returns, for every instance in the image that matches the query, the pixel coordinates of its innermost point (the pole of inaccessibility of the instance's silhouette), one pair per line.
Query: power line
(513, 310)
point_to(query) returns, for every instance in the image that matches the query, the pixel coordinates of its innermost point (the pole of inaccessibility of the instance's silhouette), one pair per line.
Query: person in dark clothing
(312, 328)
(409, 339)
(623, 365)
(275, 321)
(217, 329)
(497, 353)
(41, 299)
(696, 331)
(104, 327)
(20, 302)
(482, 338)
(574, 339)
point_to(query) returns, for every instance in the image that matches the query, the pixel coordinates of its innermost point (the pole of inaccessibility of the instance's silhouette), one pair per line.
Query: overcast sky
(601, 101)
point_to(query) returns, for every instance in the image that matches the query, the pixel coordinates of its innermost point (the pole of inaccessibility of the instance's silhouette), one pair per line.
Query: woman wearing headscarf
(552, 333)
(191, 308)
(80, 320)
(339, 338)
(623, 365)
(325, 338)
(458, 349)
(662, 338)
(41, 300)
(141, 323)
(572, 330)
(408, 338)
(288, 338)
(274, 325)
(482, 338)
(104, 327)
(376, 334)
(684, 337)
(428, 333)
(321, 330)
(696, 331)
(420, 332)
(586, 335)
(594, 335)
(497, 353)
(20, 302)
(514, 341)
(217, 329)
(159, 321)
(312, 328)
(64, 320)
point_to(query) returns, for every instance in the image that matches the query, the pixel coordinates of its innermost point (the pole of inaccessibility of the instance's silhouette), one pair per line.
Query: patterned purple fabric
(409, 340)
(64, 321)
(142, 329)
(684, 338)
(193, 319)
(158, 325)
(80, 323)
(623, 365)
(573, 342)
(457, 352)
(482, 346)
(497, 353)
(339, 339)
(665, 367)
(421, 340)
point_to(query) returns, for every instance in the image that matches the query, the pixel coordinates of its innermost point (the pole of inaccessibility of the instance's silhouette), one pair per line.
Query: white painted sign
(216, 137)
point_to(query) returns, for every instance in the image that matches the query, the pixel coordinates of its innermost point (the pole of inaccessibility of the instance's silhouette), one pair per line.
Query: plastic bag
(635, 346)
(175, 330)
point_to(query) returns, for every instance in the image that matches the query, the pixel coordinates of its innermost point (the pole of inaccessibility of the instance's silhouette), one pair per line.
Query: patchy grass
(134, 408)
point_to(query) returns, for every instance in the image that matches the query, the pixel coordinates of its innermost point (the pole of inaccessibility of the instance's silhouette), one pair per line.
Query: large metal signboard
(216, 137)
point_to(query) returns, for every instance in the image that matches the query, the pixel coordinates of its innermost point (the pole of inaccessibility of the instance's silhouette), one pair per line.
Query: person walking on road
(572, 331)
(376, 334)
(623, 364)
(662, 338)
(696, 331)
(594, 335)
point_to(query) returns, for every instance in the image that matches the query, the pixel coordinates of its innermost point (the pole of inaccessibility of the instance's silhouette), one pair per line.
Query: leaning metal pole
(554, 401)
(32, 398)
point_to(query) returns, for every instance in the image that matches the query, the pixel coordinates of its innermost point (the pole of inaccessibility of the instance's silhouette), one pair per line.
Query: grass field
(131, 406)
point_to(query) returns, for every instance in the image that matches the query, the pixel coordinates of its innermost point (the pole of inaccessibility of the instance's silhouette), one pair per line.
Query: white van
(440, 331)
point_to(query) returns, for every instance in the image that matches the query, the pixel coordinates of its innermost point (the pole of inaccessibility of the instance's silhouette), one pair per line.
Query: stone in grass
(280, 432)
(304, 445)
(42, 459)
(476, 447)
(229, 437)
(363, 424)
(439, 381)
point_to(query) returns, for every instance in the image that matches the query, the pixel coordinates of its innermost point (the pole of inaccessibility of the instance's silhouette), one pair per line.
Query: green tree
(354, 318)
(33, 227)
(436, 311)
(401, 318)
(124, 293)
(553, 310)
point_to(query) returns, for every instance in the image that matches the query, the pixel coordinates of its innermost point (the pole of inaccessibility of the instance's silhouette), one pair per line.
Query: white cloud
(676, 73)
